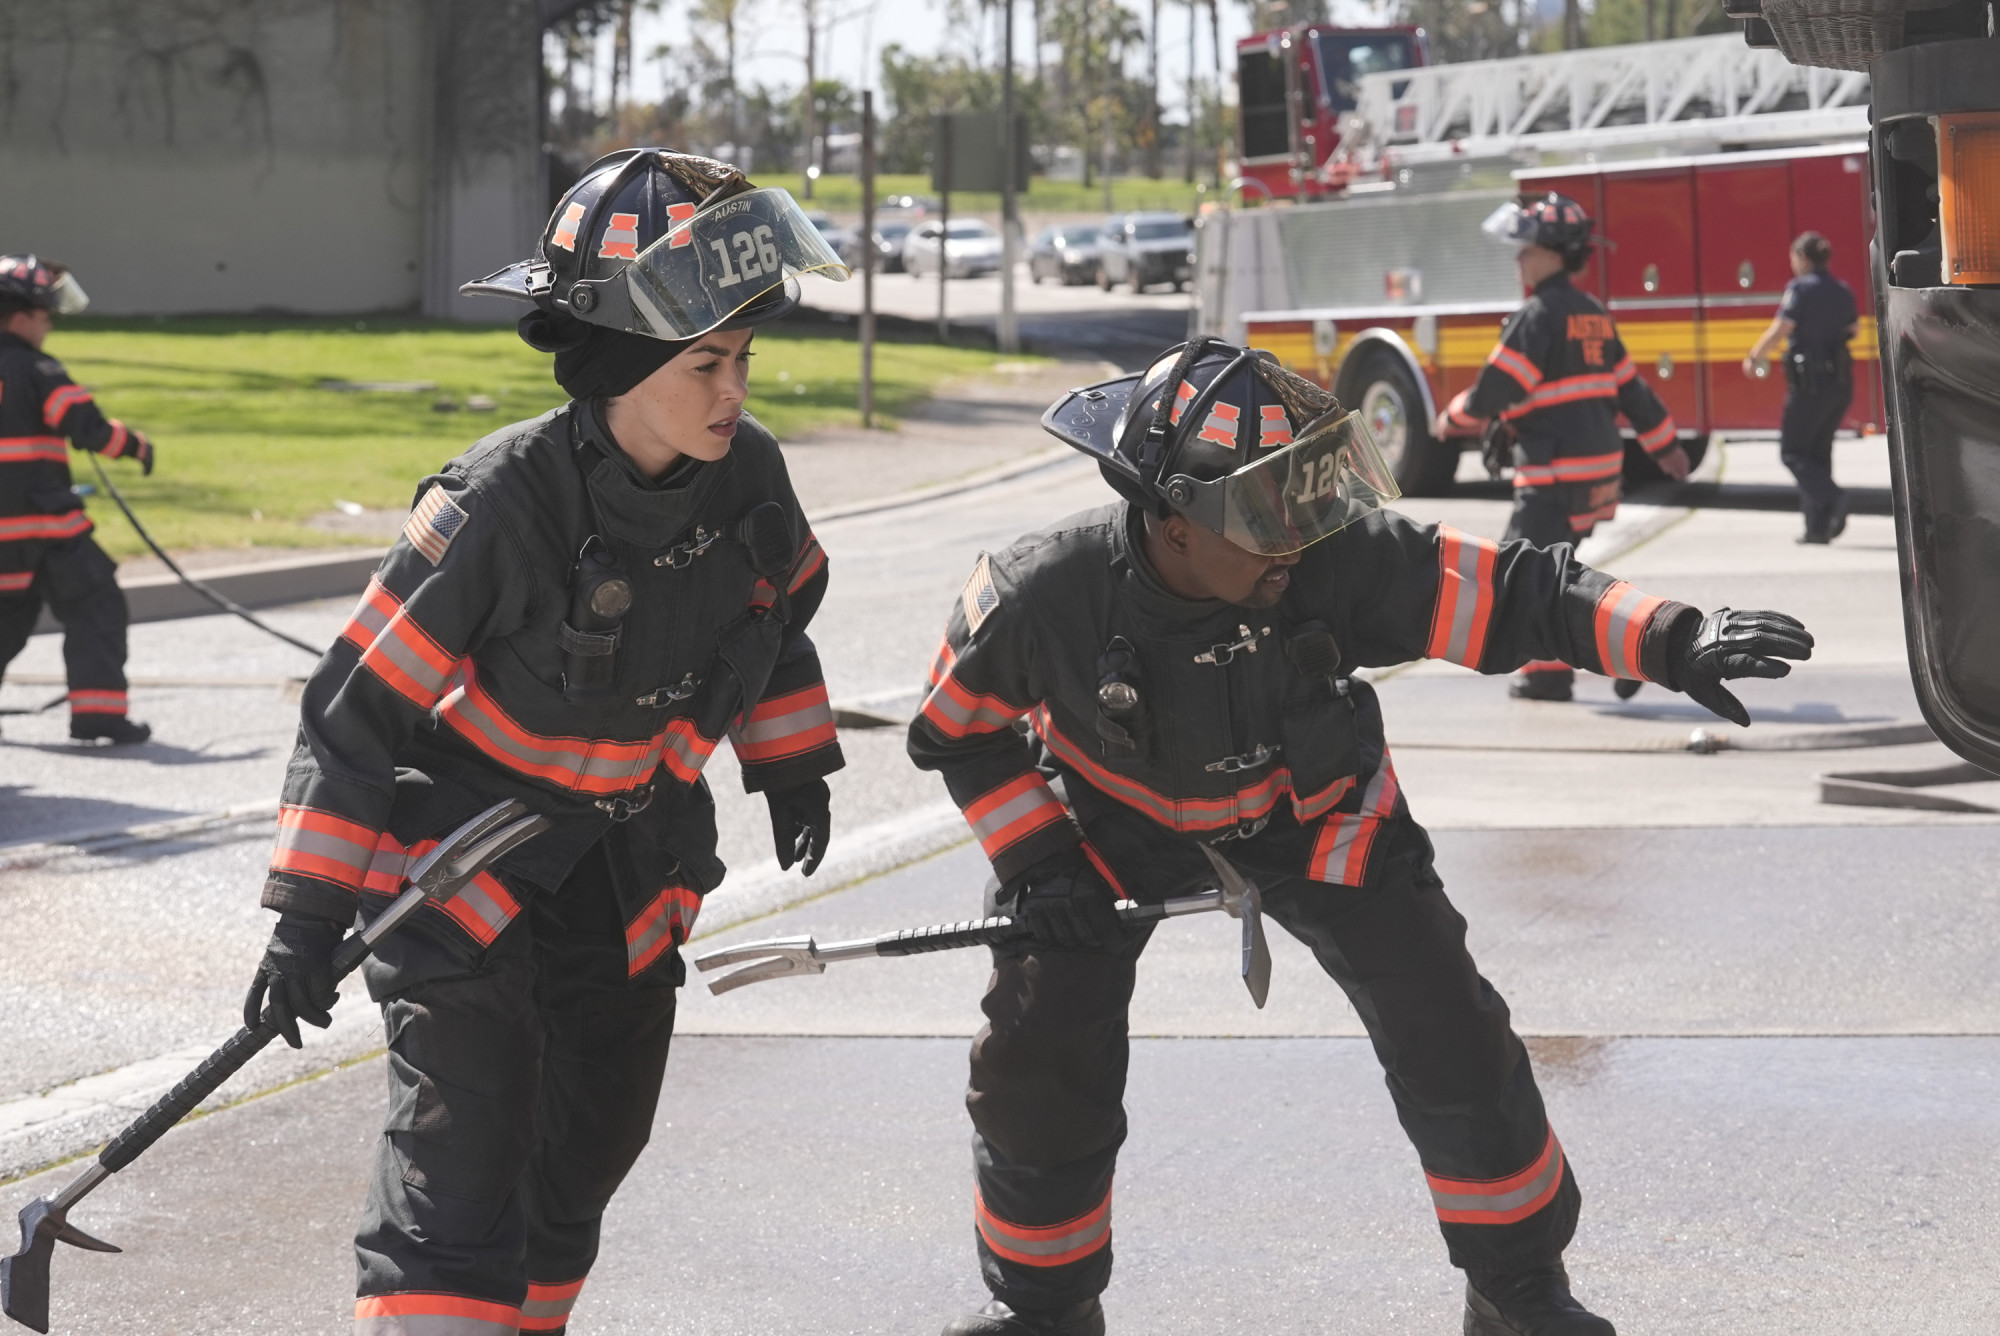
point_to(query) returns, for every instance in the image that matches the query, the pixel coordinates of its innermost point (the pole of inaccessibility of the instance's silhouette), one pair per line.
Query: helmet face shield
(722, 259)
(1287, 501)
(66, 295)
(1509, 225)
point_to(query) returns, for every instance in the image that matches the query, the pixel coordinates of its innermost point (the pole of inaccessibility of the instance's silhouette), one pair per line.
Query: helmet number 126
(756, 255)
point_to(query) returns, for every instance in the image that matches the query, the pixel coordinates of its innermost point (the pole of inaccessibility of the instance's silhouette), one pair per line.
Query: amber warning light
(1969, 196)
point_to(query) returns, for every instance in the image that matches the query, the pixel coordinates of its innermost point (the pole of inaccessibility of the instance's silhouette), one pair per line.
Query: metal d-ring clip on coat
(1225, 653)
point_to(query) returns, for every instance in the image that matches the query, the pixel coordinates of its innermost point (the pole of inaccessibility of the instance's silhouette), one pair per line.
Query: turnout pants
(522, 1085)
(1814, 409)
(1048, 1078)
(79, 583)
(1562, 512)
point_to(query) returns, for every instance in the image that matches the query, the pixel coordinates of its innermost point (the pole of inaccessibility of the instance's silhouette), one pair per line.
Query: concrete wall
(320, 156)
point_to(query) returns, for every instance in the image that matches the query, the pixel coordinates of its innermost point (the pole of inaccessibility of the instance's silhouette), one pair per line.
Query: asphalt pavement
(1765, 1025)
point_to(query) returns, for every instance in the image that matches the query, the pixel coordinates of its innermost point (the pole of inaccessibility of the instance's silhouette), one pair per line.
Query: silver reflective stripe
(1007, 813)
(348, 853)
(548, 1308)
(636, 949)
(431, 1324)
(688, 746)
(1622, 614)
(781, 726)
(1001, 1237)
(1466, 606)
(369, 617)
(965, 717)
(477, 899)
(388, 865)
(1502, 1202)
(396, 650)
(469, 716)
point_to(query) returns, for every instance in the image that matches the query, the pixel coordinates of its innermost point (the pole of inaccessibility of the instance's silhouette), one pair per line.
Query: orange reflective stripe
(1525, 373)
(115, 447)
(47, 528)
(13, 582)
(806, 565)
(684, 750)
(784, 726)
(1659, 437)
(955, 710)
(1500, 1201)
(33, 449)
(433, 1315)
(1340, 850)
(1465, 597)
(1044, 1245)
(1569, 389)
(1621, 619)
(547, 1306)
(666, 921)
(482, 906)
(97, 702)
(370, 615)
(1006, 815)
(1457, 412)
(1184, 814)
(585, 765)
(1104, 871)
(1577, 468)
(1585, 521)
(319, 844)
(61, 399)
(1624, 371)
(410, 661)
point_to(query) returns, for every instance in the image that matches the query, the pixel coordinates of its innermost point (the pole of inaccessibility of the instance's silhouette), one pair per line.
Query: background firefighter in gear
(46, 552)
(1557, 381)
(1185, 659)
(578, 610)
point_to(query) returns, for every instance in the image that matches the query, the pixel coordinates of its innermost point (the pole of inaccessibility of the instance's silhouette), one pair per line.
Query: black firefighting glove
(297, 971)
(142, 450)
(1065, 903)
(801, 824)
(1730, 644)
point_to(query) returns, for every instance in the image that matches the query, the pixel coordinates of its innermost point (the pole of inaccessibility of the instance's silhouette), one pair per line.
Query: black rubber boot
(1542, 686)
(115, 729)
(997, 1319)
(1625, 688)
(1535, 1302)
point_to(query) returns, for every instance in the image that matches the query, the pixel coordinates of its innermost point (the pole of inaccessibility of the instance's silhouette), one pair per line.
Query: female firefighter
(1559, 378)
(1816, 318)
(579, 608)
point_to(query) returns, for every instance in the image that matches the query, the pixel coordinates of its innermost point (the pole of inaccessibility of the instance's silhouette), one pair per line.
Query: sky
(862, 28)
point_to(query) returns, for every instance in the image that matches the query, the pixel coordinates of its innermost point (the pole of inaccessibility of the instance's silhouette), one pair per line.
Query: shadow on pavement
(30, 817)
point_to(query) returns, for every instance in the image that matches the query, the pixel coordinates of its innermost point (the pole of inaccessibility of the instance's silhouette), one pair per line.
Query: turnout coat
(445, 691)
(1231, 736)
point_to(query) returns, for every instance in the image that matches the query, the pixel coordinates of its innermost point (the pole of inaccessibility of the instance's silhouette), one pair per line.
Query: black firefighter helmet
(28, 282)
(1551, 221)
(1229, 438)
(669, 245)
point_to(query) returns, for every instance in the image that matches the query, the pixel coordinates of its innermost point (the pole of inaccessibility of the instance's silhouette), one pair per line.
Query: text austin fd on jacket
(444, 693)
(1232, 732)
(42, 412)
(1560, 376)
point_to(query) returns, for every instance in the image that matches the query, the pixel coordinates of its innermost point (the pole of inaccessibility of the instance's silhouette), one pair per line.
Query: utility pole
(867, 257)
(1010, 336)
(812, 72)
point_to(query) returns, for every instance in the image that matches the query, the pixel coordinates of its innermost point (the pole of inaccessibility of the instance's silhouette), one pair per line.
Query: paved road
(1762, 1021)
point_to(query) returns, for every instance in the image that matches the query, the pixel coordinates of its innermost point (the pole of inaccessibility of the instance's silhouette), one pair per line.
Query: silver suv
(1145, 248)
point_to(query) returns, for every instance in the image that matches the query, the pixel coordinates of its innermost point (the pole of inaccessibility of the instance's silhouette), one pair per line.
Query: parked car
(1145, 248)
(1066, 254)
(972, 248)
(889, 238)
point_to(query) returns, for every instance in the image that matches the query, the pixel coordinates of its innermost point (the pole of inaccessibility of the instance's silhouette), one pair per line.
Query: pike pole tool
(438, 875)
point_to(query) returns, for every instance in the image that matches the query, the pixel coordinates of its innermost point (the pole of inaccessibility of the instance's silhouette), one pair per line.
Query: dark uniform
(1819, 381)
(528, 1018)
(1232, 741)
(1560, 377)
(46, 552)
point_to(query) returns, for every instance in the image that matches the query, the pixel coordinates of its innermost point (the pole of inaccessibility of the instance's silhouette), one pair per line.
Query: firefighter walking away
(1556, 383)
(1185, 660)
(47, 555)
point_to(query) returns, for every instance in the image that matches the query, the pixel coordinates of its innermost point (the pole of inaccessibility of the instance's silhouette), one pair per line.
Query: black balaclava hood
(593, 362)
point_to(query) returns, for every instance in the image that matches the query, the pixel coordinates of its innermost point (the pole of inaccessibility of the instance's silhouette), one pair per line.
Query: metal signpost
(867, 257)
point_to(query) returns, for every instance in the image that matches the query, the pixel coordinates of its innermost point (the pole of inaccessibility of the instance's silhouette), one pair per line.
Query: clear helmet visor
(1509, 225)
(723, 258)
(1330, 477)
(67, 297)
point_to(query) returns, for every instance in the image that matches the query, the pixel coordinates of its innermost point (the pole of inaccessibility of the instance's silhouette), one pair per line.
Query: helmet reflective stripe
(676, 215)
(1277, 428)
(1221, 425)
(1182, 398)
(565, 234)
(621, 238)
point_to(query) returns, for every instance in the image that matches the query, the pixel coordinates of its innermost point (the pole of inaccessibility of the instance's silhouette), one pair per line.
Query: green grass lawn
(251, 446)
(843, 194)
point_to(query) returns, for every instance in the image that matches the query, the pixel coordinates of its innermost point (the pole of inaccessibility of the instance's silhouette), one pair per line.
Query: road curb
(163, 598)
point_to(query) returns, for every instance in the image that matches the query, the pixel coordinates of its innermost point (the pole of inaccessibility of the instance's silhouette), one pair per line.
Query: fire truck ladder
(1683, 95)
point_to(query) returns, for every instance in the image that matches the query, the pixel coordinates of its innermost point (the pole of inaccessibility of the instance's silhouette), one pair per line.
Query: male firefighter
(1557, 380)
(577, 611)
(1816, 319)
(46, 552)
(1185, 658)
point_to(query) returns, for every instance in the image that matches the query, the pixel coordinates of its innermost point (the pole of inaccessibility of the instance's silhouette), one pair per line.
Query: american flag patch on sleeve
(980, 597)
(433, 524)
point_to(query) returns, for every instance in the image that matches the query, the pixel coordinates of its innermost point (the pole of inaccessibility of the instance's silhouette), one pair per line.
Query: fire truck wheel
(1393, 408)
(1641, 470)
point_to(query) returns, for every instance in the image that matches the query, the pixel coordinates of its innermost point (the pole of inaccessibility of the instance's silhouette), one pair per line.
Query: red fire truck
(1294, 84)
(1392, 297)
